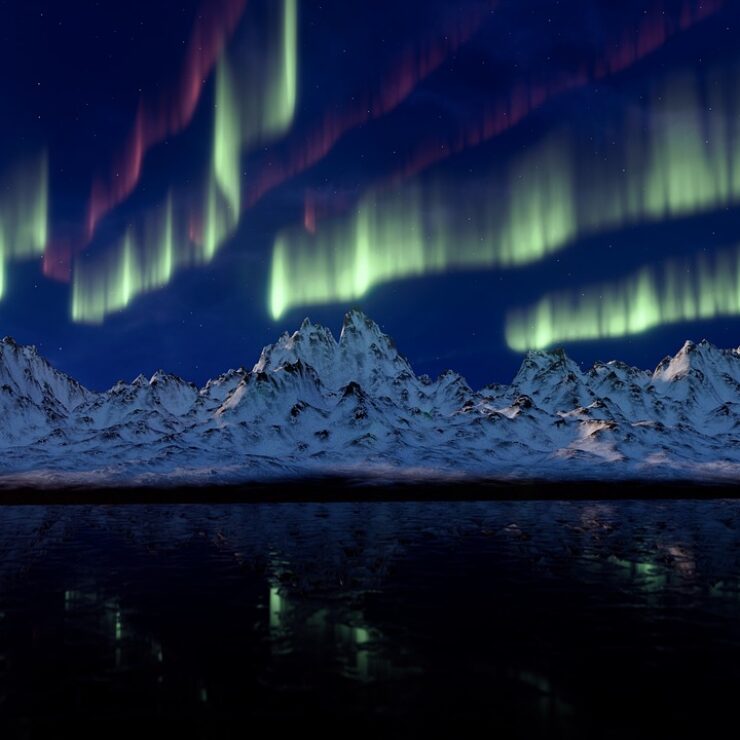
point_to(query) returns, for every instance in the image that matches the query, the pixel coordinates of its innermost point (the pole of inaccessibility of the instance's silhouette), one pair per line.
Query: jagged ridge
(316, 405)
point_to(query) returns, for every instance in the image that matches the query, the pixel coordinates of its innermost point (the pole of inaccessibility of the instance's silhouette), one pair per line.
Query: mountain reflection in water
(528, 619)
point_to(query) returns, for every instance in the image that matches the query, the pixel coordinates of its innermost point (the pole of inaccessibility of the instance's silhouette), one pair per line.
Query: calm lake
(608, 619)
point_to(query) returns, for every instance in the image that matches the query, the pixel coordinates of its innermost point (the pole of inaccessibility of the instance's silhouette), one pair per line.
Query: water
(531, 619)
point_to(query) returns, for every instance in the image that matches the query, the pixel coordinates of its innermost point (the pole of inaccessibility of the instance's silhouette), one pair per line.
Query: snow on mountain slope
(315, 405)
(35, 399)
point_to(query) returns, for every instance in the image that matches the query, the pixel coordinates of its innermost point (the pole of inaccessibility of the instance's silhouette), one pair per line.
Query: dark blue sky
(73, 73)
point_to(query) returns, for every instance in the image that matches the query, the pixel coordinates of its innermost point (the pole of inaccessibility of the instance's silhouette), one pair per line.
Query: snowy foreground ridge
(316, 406)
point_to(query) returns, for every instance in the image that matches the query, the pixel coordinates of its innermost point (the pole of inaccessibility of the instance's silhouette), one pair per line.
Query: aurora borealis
(493, 175)
(680, 158)
(23, 211)
(254, 100)
(704, 286)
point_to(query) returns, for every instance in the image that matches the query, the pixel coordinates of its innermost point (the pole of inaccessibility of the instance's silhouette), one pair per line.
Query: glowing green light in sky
(384, 240)
(143, 260)
(227, 139)
(284, 90)
(679, 157)
(265, 74)
(704, 286)
(24, 204)
(255, 101)
(423, 229)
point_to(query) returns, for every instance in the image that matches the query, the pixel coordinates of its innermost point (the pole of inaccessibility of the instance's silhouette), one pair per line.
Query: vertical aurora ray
(158, 238)
(256, 96)
(226, 139)
(704, 286)
(384, 239)
(282, 92)
(430, 228)
(266, 76)
(223, 190)
(273, 76)
(415, 65)
(688, 156)
(24, 212)
(157, 119)
(685, 160)
(144, 259)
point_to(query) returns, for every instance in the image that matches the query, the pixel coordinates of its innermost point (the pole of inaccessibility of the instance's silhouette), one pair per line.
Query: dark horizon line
(337, 489)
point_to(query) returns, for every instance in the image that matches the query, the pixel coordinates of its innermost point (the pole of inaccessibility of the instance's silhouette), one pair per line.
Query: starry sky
(181, 182)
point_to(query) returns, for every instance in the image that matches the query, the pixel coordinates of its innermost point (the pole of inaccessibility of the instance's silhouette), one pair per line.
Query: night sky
(446, 166)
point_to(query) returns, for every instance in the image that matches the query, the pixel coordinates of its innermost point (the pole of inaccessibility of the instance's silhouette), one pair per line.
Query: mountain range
(314, 406)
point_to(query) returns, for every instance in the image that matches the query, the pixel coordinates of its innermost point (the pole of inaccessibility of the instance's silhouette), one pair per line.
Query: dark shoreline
(348, 490)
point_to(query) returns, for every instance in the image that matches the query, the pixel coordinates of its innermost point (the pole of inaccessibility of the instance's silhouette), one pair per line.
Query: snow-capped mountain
(314, 405)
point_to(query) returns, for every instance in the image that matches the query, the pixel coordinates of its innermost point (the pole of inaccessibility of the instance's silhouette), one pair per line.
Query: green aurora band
(255, 99)
(680, 156)
(255, 102)
(704, 286)
(24, 212)
(144, 259)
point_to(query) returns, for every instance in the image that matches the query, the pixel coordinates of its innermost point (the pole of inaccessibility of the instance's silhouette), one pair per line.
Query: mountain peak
(312, 344)
(140, 381)
(355, 316)
(28, 350)
(692, 357)
(33, 382)
(363, 354)
(551, 362)
(356, 322)
(163, 378)
(314, 401)
(360, 331)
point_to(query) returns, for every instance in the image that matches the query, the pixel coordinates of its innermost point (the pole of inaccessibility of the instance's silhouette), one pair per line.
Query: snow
(315, 405)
